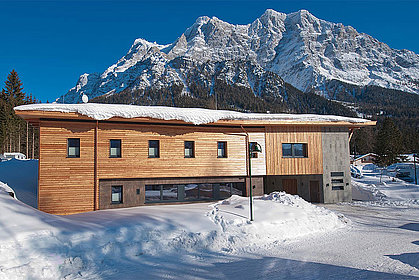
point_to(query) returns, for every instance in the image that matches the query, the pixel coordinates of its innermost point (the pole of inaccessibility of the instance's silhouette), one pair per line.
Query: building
(363, 159)
(101, 156)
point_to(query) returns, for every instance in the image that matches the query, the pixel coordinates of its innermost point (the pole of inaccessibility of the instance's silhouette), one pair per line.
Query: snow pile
(277, 217)
(22, 176)
(36, 245)
(389, 191)
(190, 115)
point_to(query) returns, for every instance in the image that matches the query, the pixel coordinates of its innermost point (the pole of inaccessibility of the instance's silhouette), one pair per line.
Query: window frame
(120, 148)
(77, 155)
(121, 198)
(225, 149)
(305, 150)
(193, 149)
(158, 148)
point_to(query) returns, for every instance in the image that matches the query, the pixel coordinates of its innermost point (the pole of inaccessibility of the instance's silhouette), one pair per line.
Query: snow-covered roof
(195, 116)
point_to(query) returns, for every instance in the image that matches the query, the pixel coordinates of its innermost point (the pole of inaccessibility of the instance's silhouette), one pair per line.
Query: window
(116, 196)
(157, 193)
(192, 191)
(252, 146)
(295, 150)
(153, 149)
(337, 188)
(189, 149)
(73, 147)
(222, 149)
(115, 148)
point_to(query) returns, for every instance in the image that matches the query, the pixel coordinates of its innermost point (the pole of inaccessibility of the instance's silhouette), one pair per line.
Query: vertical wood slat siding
(277, 165)
(66, 185)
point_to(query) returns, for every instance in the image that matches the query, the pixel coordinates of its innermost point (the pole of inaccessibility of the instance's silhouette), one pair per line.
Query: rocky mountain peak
(306, 52)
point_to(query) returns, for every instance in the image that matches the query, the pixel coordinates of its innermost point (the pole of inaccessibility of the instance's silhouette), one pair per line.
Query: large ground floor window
(192, 192)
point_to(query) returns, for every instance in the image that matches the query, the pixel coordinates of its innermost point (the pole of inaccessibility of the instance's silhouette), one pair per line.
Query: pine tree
(388, 144)
(14, 89)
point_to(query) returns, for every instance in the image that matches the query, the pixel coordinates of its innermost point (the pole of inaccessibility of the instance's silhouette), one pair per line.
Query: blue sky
(51, 43)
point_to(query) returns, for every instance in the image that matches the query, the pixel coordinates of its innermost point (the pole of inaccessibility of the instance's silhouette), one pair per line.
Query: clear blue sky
(51, 43)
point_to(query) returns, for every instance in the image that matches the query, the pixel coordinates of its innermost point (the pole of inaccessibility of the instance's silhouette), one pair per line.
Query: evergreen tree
(388, 145)
(14, 89)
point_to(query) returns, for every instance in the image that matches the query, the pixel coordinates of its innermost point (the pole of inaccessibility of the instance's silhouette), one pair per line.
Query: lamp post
(253, 147)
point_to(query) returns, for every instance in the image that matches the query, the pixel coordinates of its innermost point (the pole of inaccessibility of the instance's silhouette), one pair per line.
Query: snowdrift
(38, 245)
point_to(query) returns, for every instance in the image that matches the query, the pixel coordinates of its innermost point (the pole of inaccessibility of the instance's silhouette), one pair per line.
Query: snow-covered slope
(306, 52)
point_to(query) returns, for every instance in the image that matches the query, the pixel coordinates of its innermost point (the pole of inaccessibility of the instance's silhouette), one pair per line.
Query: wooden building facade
(87, 164)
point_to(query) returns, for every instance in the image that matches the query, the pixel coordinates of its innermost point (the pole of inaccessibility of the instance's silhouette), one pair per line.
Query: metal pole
(414, 167)
(250, 181)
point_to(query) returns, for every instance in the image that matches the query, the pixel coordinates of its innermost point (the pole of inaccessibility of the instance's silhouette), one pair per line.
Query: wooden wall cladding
(66, 185)
(277, 165)
(135, 163)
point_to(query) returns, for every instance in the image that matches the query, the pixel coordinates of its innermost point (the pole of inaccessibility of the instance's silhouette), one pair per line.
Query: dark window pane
(205, 191)
(153, 149)
(222, 150)
(116, 196)
(152, 193)
(238, 189)
(191, 192)
(286, 150)
(189, 149)
(336, 174)
(115, 148)
(170, 192)
(73, 147)
(298, 150)
(337, 188)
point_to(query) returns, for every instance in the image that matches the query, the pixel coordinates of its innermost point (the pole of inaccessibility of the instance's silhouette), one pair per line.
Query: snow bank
(22, 177)
(389, 191)
(277, 217)
(190, 115)
(37, 245)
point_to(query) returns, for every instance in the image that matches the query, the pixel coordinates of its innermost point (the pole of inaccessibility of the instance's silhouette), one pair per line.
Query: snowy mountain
(299, 49)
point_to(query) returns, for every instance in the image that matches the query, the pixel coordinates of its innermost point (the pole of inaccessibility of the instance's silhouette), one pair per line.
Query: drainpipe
(248, 158)
(95, 185)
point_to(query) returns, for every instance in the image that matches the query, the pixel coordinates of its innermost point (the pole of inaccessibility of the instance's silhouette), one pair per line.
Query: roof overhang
(35, 116)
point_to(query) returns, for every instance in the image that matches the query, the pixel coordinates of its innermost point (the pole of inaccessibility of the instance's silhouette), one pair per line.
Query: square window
(116, 196)
(153, 148)
(115, 148)
(73, 147)
(298, 150)
(189, 149)
(222, 150)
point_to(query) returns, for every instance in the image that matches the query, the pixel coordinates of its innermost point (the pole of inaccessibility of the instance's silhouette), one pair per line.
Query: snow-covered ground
(289, 239)
(376, 189)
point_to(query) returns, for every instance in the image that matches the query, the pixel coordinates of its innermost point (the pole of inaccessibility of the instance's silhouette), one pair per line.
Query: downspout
(95, 186)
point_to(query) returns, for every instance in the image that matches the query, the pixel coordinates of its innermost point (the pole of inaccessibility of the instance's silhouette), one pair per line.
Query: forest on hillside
(370, 102)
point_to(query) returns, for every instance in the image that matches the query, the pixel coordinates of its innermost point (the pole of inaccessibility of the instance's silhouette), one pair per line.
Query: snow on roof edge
(195, 116)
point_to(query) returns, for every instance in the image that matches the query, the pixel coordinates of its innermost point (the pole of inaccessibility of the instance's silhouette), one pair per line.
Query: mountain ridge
(306, 52)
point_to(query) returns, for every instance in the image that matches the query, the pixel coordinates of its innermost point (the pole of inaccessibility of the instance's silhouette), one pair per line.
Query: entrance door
(314, 191)
(289, 186)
